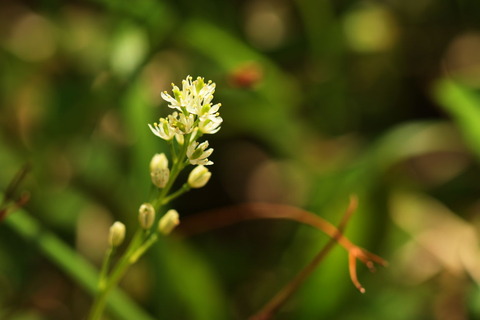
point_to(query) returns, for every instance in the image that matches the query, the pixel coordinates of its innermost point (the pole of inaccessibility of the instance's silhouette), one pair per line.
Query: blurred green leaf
(129, 50)
(277, 95)
(71, 263)
(192, 284)
(463, 105)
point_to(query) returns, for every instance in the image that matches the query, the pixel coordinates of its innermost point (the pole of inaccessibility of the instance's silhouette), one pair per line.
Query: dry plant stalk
(10, 199)
(214, 219)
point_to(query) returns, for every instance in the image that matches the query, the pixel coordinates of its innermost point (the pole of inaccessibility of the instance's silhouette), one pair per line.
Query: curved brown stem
(10, 200)
(283, 295)
(250, 211)
(223, 217)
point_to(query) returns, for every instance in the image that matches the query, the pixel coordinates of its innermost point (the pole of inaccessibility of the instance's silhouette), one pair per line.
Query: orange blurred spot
(246, 76)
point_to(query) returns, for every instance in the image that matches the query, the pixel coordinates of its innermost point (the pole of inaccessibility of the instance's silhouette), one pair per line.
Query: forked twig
(286, 292)
(9, 202)
(227, 216)
(223, 217)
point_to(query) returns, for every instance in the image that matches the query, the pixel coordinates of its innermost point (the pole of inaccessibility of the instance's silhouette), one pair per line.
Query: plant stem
(105, 267)
(176, 194)
(140, 243)
(143, 248)
(67, 260)
(119, 270)
(268, 311)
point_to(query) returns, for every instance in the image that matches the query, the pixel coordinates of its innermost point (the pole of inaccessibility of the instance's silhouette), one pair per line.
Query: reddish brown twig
(10, 201)
(3, 213)
(283, 295)
(227, 216)
(223, 217)
(12, 206)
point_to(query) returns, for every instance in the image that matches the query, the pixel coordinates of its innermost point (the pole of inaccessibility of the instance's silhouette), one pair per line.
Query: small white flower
(209, 111)
(210, 125)
(195, 97)
(163, 130)
(185, 123)
(206, 92)
(200, 103)
(175, 103)
(197, 154)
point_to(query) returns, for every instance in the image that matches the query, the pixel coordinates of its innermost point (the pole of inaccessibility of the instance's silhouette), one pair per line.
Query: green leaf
(463, 105)
(71, 263)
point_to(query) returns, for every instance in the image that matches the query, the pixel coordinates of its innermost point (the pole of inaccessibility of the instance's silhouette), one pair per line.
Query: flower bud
(159, 161)
(168, 222)
(159, 171)
(116, 234)
(199, 177)
(146, 215)
(180, 139)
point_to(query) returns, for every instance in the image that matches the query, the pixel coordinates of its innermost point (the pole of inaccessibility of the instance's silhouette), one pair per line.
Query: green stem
(101, 299)
(173, 150)
(176, 194)
(141, 242)
(105, 267)
(177, 167)
(72, 264)
(117, 273)
(143, 248)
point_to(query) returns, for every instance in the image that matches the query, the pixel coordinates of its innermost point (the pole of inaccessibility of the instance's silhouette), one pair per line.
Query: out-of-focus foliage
(320, 99)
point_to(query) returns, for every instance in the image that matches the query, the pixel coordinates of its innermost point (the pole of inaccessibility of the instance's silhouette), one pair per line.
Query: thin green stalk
(173, 151)
(105, 267)
(139, 245)
(143, 248)
(101, 300)
(119, 270)
(141, 241)
(176, 194)
(177, 167)
(76, 267)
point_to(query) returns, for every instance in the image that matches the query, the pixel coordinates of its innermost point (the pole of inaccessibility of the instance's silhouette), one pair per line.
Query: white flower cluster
(194, 116)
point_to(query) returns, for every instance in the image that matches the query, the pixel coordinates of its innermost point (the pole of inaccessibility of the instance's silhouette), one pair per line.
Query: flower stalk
(194, 116)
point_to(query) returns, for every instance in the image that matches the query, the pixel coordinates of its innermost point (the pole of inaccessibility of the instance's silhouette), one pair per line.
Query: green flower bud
(116, 234)
(159, 161)
(146, 215)
(199, 177)
(159, 171)
(168, 222)
(160, 177)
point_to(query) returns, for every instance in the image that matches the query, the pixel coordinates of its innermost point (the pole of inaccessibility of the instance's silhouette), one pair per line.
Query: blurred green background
(320, 99)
